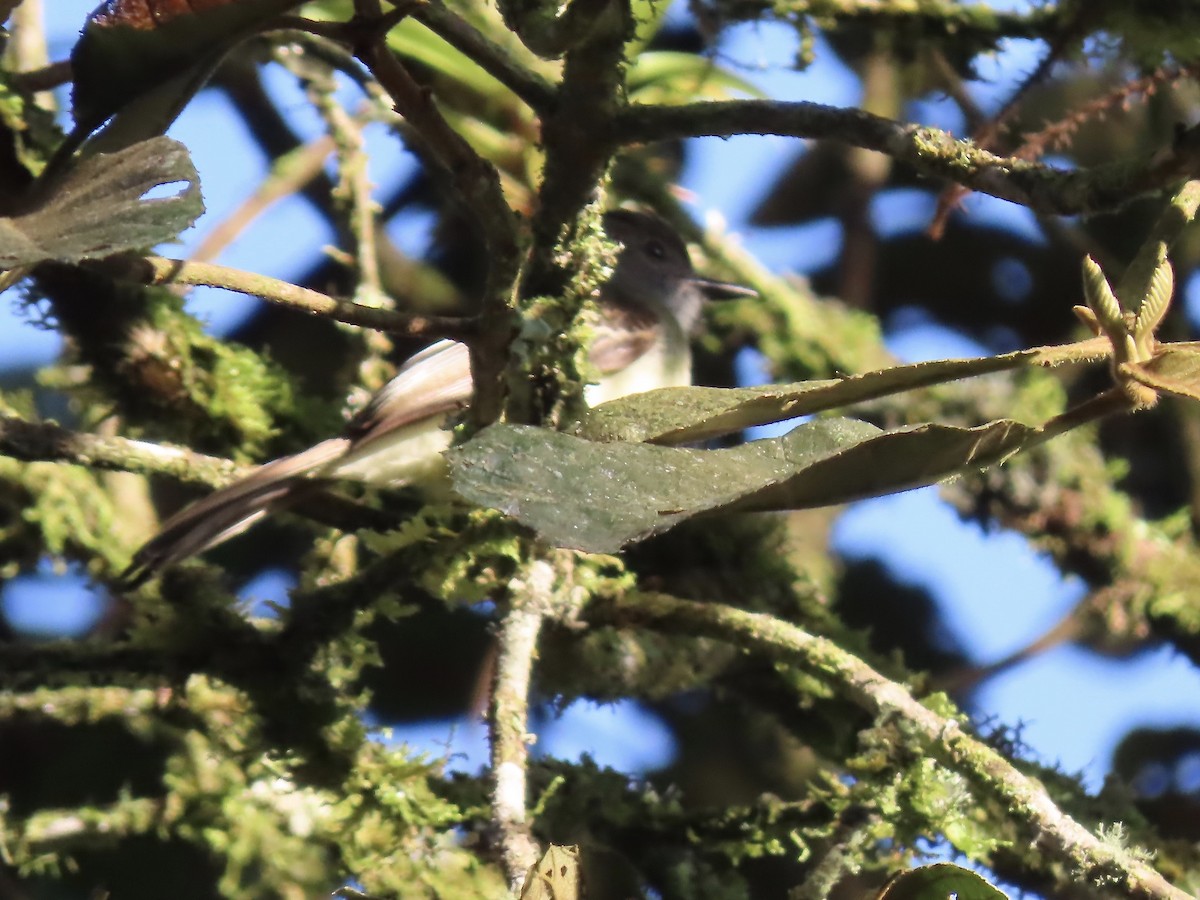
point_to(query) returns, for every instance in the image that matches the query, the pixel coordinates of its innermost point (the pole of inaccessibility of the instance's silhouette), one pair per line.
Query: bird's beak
(722, 290)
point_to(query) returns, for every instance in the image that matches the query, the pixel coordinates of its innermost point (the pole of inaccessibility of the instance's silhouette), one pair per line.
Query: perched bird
(648, 309)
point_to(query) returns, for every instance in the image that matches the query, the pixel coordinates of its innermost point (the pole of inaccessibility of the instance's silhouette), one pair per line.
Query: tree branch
(48, 442)
(962, 21)
(930, 151)
(162, 270)
(1090, 860)
(509, 719)
(477, 183)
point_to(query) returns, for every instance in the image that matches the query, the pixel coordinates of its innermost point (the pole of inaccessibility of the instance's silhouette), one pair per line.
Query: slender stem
(289, 173)
(162, 270)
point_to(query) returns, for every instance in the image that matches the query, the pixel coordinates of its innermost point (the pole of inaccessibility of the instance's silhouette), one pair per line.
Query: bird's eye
(656, 250)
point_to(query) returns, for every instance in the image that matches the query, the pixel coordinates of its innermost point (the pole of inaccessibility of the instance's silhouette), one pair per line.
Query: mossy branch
(509, 719)
(1088, 858)
(931, 152)
(46, 441)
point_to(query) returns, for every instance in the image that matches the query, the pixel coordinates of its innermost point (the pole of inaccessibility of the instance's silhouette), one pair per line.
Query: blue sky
(995, 592)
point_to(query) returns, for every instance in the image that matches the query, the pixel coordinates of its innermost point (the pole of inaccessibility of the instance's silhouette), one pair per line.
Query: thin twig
(162, 270)
(289, 174)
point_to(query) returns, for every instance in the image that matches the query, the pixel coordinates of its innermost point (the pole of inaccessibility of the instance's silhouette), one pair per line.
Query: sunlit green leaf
(939, 882)
(665, 76)
(649, 15)
(1175, 370)
(687, 414)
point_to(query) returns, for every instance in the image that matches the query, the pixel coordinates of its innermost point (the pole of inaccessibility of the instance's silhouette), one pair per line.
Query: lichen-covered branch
(931, 152)
(46, 441)
(965, 21)
(1089, 859)
(509, 719)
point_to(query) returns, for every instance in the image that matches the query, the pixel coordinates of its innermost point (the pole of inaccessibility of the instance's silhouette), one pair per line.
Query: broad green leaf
(939, 882)
(1175, 370)
(666, 76)
(98, 208)
(413, 40)
(686, 414)
(127, 63)
(598, 497)
(649, 15)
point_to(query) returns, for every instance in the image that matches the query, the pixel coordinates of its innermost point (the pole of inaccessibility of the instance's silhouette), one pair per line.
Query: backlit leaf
(158, 49)
(1175, 370)
(664, 76)
(100, 208)
(939, 882)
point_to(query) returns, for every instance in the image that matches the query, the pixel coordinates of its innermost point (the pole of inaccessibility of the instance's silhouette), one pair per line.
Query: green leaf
(687, 414)
(147, 73)
(939, 882)
(649, 16)
(600, 496)
(97, 209)
(666, 76)
(1175, 370)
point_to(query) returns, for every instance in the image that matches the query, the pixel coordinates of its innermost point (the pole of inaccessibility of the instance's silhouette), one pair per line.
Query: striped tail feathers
(433, 383)
(230, 510)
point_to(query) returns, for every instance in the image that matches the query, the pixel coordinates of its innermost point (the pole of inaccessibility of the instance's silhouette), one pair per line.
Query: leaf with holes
(100, 207)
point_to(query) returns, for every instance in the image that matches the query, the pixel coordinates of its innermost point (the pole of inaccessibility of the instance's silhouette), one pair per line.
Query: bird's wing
(625, 333)
(434, 382)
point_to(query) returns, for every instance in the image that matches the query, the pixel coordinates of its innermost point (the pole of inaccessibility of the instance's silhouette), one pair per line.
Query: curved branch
(930, 151)
(477, 183)
(1089, 859)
